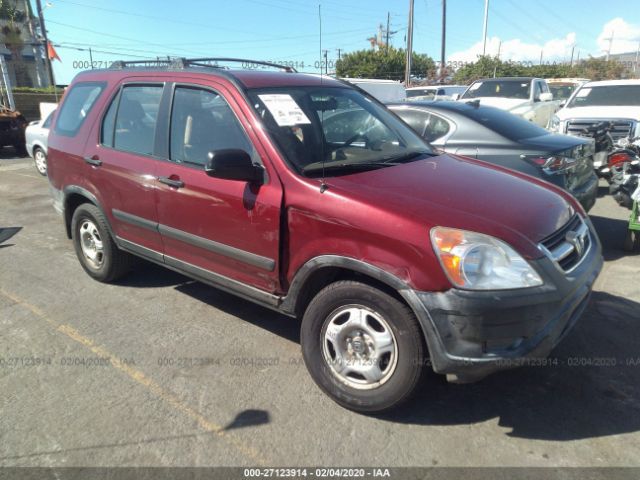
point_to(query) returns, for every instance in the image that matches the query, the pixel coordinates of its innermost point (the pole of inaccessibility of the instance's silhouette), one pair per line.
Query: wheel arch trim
(70, 190)
(347, 263)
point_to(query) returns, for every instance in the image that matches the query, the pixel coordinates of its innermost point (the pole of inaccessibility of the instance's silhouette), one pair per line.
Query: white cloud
(557, 49)
(625, 37)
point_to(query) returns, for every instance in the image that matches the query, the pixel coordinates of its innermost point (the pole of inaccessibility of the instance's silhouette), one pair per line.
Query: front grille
(568, 246)
(621, 128)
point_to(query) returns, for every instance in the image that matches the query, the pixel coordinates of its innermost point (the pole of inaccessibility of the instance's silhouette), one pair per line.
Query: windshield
(499, 88)
(426, 93)
(607, 96)
(352, 131)
(562, 92)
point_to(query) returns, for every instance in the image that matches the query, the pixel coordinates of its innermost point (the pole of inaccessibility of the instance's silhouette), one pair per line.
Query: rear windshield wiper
(336, 167)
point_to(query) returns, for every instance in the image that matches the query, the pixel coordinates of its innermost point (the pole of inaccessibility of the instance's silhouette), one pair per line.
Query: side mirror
(546, 97)
(563, 103)
(455, 97)
(233, 164)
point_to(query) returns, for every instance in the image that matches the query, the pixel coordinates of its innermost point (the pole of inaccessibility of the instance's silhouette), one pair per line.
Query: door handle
(95, 161)
(171, 182)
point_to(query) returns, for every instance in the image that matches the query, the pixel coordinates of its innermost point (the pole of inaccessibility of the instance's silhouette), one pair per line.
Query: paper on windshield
(475, 86)
(284, 109)
(584, 92)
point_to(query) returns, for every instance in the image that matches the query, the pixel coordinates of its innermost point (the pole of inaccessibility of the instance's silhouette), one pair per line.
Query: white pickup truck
(617, 101)
(527, 97)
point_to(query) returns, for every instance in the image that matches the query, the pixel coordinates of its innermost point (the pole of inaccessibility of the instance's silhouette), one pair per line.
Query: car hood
(502, 103)
(599, 112)
(460, 192)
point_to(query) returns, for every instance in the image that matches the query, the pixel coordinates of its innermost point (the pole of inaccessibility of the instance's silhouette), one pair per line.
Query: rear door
(124, 165)
(225, 227)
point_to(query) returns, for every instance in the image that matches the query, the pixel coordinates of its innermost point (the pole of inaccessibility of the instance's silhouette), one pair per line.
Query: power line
(112, 35)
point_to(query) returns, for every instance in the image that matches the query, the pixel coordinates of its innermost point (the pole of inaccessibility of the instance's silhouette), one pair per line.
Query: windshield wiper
(335, 167)
(408, 157)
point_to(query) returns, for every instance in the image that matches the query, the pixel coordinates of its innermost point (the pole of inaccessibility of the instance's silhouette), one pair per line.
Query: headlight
(475, 261)
(554, 124)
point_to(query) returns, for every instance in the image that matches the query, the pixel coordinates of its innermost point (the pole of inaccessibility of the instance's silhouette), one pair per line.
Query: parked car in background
(12, 126)
(527, 97)
(435, 92)
(382, 90)
(36, 142)
(498, 137)
(563, 88)
(616, 101)
(394, 255)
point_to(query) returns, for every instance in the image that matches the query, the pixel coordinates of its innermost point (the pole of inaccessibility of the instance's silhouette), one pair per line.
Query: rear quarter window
(76, 106)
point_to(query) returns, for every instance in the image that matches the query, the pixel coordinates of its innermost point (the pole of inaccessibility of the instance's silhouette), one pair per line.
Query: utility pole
(46, 43)
(91, 58)
(499, 48)
(339, 50)
(484, 27)
(635, 65)
(572, 50)
(326, 63)
(541, 51)
(444, 40)
(388, 27)
(34, 46)
(610, 44)
(407, 73)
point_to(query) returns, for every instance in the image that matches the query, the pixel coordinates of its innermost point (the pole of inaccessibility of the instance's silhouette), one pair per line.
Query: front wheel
(363, 347)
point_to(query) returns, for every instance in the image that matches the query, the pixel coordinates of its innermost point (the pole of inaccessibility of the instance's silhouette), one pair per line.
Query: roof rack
(210, 62)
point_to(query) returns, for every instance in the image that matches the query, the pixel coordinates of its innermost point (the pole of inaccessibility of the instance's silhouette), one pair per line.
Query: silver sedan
(36, 142)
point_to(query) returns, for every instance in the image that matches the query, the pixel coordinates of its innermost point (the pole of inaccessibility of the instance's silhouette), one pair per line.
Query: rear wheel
(95, 248)
(40, 159)
(362, 346)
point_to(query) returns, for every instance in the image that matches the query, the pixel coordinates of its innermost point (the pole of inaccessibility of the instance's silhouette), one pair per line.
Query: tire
(632, 241)
(333, 340)
(89, 231)
(40, 161)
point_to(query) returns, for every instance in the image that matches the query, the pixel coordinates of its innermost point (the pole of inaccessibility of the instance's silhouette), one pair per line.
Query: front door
(228, 227)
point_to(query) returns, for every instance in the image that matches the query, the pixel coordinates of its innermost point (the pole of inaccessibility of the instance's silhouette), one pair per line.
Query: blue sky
(288, 30)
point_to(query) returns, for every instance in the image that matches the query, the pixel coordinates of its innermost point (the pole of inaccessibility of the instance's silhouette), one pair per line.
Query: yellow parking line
(140, 378)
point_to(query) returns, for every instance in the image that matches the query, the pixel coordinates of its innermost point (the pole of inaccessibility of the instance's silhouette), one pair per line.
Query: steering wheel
(352, 139)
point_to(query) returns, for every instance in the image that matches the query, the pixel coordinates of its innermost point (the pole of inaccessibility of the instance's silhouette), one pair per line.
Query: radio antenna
(323, 185)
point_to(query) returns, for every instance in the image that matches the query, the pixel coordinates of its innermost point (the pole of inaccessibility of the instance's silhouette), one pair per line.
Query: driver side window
(202, 122)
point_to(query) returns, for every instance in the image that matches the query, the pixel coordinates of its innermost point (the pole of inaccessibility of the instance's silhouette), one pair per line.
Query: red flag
(51, 52)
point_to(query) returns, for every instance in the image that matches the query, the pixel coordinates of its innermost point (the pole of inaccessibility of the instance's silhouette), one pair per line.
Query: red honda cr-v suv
(256, 182)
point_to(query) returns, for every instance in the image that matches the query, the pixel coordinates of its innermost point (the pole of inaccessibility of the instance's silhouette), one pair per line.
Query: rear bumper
(587, 193)
(472, 334)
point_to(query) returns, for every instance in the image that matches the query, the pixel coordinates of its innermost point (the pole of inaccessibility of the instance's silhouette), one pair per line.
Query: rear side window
(414, 118)
(136, 115)
(429, 126)
(76, 107)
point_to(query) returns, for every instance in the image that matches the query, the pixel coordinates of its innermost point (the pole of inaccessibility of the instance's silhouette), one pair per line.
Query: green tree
(591, 68)
(601, 69)
(383, 64)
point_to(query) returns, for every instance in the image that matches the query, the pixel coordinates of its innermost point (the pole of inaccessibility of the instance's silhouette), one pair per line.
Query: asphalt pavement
(159, 370)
